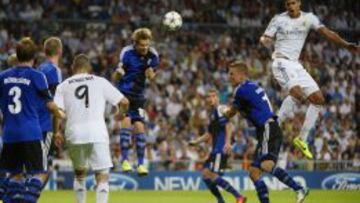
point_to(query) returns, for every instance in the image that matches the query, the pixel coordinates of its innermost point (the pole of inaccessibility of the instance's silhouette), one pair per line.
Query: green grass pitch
(315, 196)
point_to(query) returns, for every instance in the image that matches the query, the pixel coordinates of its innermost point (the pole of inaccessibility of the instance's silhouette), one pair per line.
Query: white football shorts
(94, 155)
(291, 73)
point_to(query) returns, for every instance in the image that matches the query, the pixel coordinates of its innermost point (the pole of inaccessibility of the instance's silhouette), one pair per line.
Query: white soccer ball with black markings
(172, 20)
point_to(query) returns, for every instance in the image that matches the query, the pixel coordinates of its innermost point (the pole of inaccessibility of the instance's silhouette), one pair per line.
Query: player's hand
(119, 72)
(192, 143)
(227, 148)
(353, 48)
(224, 109)
(150, 73)
(266, 41)
(58, 140)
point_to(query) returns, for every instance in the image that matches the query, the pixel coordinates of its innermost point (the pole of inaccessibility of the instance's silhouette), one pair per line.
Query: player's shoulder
(34, 72)
(307, 14)
(101, 81)
(7, 71)
(153, 51)
(247, 87)
(46, 65)
(126, 49)
(280, 16)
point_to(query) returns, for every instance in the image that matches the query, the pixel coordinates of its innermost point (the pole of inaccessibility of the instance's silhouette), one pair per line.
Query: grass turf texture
(315, 196)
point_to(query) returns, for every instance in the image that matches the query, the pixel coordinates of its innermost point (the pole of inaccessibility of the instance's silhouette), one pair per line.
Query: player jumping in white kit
(289, 30)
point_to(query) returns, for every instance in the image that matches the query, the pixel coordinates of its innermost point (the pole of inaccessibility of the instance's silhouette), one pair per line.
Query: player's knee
(267, 166)
(254, 174)
(102, 176)
(207, 174)
(297, 93)
(80, 174)
(139, 127)
(317, 98)
(126, 122)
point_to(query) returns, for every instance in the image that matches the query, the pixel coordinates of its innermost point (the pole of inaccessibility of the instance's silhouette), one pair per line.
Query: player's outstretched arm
(200, 139)
(335, 38)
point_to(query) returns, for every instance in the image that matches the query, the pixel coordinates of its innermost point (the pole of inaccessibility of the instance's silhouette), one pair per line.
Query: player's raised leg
(316, 100)
(140, 140)
(125, 143)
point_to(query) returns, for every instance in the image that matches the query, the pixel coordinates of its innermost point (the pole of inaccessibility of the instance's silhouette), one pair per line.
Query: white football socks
(80, 190)
(286, 109)
(102, 192)
(311, 116)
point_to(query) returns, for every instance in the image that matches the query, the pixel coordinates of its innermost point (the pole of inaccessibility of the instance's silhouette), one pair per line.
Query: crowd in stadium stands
(191, 62)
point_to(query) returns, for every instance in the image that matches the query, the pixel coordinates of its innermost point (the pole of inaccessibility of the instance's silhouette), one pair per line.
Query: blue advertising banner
(186, 180)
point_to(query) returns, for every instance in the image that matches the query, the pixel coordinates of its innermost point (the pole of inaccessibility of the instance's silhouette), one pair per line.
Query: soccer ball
(172, 20)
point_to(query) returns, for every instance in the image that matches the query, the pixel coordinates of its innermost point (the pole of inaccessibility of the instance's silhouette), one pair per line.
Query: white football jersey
(290, 33)
(83, 97)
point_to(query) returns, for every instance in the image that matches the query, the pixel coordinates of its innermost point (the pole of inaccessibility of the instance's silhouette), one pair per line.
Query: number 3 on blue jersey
(265, 97)
(16, 107)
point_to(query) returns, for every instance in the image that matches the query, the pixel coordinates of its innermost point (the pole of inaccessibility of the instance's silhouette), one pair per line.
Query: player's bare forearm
(54, 110)
(150, 74)
(227, 147)
(229, 131)
(56, 124)
(335, 38)
(200, 139)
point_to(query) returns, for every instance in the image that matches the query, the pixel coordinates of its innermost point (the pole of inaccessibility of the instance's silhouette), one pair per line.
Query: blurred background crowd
(194, 59)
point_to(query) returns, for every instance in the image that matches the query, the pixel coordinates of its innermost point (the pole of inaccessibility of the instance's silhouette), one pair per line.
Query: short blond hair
(141, 34)
(12, 60)
(239, 65)
(52, 45)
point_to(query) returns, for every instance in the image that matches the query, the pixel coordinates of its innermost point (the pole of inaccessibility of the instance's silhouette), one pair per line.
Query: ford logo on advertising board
(116, 182)
(342, 181)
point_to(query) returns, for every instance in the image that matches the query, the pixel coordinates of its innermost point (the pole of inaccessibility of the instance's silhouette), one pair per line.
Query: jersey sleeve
(59, 97)
(40, 81)
(315, 22)
(155, 60)
(124, 57)
(272, 27)
(111, 94)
